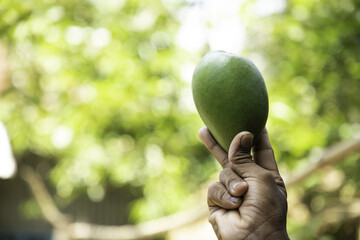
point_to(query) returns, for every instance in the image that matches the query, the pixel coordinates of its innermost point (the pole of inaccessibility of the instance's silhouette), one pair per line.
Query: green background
(98, 86)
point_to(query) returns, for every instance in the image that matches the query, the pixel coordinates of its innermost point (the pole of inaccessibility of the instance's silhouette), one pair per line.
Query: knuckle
(222, 195)
(212, 187)
(241, 158)
(213, 146)
(211, 219)
(224, 174)
(229, 179)
(216, 192)
(224, 162)
(211, 195)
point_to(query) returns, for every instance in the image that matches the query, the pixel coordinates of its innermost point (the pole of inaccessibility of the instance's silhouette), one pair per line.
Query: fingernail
(234, 199)
(247, 140)
(234, 185)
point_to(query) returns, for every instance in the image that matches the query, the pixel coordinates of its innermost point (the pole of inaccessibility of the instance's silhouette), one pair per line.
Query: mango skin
(230, 96)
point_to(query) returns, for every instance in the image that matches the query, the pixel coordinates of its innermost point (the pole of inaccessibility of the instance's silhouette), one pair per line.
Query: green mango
(230, 95)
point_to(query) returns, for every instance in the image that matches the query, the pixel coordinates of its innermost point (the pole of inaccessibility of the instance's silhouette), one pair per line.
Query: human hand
(261, 213)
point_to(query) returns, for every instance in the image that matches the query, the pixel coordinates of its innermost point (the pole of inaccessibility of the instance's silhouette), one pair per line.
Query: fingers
(234, 184)
(264, 154)
(215, 149)
(218, 196)
(239, 155)
(239, 152)
(228, 192)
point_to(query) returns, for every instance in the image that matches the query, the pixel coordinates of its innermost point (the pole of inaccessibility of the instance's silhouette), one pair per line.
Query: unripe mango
(230, 95)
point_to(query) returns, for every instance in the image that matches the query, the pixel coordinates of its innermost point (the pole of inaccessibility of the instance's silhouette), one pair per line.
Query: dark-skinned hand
(249, 201)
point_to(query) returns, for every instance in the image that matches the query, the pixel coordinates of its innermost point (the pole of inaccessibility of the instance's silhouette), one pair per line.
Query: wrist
(270, 231)
(280, 235)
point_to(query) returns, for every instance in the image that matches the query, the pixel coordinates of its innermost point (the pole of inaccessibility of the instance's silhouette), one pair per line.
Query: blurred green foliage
(310, 54)
(313, 84)
(96, 89)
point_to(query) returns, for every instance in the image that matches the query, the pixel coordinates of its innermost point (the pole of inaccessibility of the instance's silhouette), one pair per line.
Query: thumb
(239, 154)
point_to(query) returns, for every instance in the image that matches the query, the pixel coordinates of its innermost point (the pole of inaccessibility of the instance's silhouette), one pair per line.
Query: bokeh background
(96, 103)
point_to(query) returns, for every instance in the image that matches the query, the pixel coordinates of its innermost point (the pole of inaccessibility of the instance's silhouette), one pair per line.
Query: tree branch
(78, 230)
(146, 230)
(333, 155)
(44, 199)
(160, 226)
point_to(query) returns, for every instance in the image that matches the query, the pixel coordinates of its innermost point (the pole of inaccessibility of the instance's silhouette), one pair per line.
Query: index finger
(215, 149)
